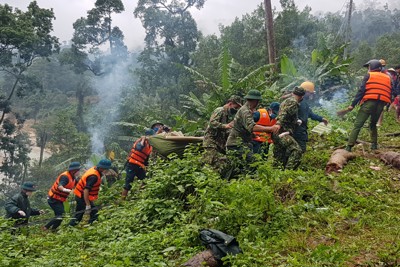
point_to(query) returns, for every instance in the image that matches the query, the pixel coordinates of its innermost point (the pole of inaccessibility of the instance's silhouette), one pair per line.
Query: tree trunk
(338, 159)
(199, 259)
(269, 26)
(43, 138)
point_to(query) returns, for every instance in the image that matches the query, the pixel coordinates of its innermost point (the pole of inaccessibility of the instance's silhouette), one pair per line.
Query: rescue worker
(240, 137)
(396, 86)
(137, 161)
(287, 152)
(216, 135)
(59, 193)
(386, 71)
(301, 131)
(159, 127)
(87, 191)
(265, 117)
(18, 207)
(375, 92)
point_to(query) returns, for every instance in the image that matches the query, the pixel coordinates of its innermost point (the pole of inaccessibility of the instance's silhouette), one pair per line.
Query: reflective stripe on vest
(56, 193)
(140, 157)
(378, 87)
(94, 191)
(264, 120)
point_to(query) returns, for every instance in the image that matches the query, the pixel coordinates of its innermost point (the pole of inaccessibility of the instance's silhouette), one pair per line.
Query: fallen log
(391, 158)
(392, 134)
(205, 258)
(338, 159)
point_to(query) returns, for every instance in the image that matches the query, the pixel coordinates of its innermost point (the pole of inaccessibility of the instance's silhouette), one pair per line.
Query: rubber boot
(348, 148)
(374, 146)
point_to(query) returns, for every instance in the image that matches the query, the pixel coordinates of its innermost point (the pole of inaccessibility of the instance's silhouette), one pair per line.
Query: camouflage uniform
(287, 152)
(241, 134)
(215, 138)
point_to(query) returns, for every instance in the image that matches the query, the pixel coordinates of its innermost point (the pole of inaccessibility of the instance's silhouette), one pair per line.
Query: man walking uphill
(221, 121)
(59, 193)
(287, 152)
(137, 161)
(87, 191)
(374, 93)
(19, 207)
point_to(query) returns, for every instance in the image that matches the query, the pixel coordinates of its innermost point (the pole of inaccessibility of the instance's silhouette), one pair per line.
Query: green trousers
(287, 152)
(370, 108)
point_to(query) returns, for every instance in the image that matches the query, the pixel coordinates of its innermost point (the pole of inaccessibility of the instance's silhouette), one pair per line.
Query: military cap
(298, 90)
(253, 95)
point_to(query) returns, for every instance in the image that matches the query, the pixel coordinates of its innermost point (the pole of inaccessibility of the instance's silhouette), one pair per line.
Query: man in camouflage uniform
(241, 135)
(217, 133)
(287, 152)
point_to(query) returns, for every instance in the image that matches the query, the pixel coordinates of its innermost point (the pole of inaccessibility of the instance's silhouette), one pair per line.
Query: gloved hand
(22, 213)
(66, 190)
(88, 208)
(42, 212)
(299, 122)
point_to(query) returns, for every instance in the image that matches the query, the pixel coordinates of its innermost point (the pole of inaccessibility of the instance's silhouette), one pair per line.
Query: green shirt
(288, 115)
(243, 125)
(216, 133)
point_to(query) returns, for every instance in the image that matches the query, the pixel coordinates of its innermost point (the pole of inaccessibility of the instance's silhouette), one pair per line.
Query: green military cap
(300, 91)
(253, 95)
(29, 186)
(235, 99)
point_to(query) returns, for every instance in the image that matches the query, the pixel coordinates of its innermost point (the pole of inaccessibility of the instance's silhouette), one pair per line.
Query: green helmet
(253, 95)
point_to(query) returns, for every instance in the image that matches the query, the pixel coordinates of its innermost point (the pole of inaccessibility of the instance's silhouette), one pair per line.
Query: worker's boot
(348, 148)
(374, 146)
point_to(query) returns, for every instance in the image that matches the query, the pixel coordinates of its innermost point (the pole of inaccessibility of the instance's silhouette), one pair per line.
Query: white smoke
(331, 106)
(108, 87)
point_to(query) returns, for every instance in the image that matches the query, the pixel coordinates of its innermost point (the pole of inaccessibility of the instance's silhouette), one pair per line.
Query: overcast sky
(213, 13)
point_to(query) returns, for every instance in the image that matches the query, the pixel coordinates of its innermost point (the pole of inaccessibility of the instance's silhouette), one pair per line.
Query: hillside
(280, 218)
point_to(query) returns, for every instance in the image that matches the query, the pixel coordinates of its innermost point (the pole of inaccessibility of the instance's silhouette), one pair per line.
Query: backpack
(220, 243)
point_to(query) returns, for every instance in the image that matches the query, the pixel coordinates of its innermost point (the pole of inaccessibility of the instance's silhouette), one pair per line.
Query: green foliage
(91, 33)
(66, 141)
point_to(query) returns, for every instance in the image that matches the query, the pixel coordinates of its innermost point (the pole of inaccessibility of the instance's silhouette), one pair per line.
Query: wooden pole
(348, 29)
(269, 26)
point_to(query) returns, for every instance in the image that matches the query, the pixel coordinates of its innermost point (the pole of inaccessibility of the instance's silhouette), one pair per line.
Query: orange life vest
(378, 87)
(140, 157)
(265, 120)
(94, 191)
(56, 193)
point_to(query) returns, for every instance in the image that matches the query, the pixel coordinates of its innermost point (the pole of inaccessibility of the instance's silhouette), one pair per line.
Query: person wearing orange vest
(137, 161)
(87, 191)
(264, 117)
(59, 193)
(374, 94)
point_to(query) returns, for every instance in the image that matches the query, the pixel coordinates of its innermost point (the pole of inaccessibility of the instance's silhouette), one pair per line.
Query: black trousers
(80, 211)
(58, 207)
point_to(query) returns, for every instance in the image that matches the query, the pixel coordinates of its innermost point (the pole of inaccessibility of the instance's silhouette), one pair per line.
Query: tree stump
(391, 158)
(205, 258)
(338, 159)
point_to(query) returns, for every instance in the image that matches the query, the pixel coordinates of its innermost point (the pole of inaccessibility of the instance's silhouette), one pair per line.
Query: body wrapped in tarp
(168, 144)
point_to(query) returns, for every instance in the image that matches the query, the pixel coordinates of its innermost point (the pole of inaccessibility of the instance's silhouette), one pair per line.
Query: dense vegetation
(94, 97)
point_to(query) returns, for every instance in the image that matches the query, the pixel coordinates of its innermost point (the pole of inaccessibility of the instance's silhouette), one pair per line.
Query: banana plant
(324, 67)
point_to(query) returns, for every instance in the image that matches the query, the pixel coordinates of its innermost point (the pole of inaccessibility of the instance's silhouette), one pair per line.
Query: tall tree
(171, 37)
(24, 36)
(269, 26)
(94, 32)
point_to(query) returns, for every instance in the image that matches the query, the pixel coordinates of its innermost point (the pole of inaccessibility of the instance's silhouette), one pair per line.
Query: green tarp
(165, 145)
